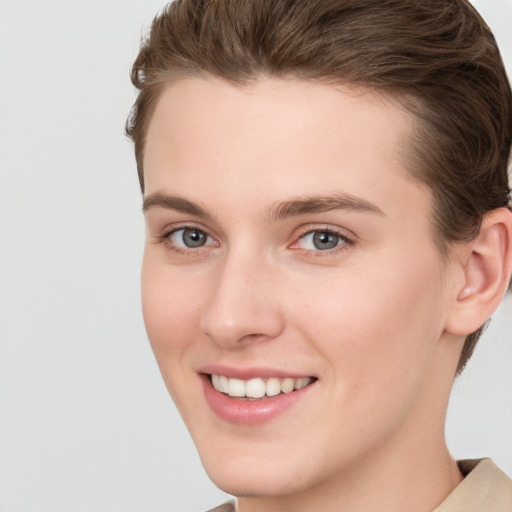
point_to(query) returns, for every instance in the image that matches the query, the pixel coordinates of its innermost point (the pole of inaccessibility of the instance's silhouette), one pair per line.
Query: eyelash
(166, 239)
(344, 240)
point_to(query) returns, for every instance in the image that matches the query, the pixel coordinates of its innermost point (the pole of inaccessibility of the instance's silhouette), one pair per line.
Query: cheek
(378, 329)
(170, 308)
(171, 316)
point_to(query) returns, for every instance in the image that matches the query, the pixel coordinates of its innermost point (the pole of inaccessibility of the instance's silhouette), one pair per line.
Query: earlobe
(487, 267)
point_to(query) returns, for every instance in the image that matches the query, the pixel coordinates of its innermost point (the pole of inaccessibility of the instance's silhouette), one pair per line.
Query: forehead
(276, 112)
(276, 138)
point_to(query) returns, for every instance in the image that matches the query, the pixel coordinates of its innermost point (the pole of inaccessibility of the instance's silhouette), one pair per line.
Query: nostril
(236, 314)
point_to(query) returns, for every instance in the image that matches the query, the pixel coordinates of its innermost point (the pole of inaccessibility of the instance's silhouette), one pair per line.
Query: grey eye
(324, 240)
(321, 240)
(193, 237)
(190, 238)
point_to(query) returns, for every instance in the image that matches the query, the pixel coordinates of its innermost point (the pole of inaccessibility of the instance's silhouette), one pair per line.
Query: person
(329, 229)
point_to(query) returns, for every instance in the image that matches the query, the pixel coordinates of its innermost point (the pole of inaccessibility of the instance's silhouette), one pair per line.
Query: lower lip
(250, 412)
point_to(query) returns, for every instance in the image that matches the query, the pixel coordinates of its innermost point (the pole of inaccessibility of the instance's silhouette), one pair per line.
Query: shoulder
(225, 507)
(485, 488)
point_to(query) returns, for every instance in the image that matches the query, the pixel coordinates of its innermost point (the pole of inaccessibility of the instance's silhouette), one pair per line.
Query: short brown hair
(437, 57)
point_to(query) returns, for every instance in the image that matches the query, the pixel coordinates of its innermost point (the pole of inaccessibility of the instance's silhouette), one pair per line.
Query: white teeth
(273, 387)
(223, 384)
(287, 385)
(216, 381)
(255, 388)
(236, 387)
(302, 383)
(258, 387)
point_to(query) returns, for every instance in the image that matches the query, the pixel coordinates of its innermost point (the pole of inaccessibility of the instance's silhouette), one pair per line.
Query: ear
(486, 263)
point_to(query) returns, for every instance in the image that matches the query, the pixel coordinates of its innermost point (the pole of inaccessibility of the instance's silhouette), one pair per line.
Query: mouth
(255, 400)
(258, 388)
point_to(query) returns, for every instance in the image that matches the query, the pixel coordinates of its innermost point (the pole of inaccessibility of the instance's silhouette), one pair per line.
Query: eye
(321, 240)
(190, 238)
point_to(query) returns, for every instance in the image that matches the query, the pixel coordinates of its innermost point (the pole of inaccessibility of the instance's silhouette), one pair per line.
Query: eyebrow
(320, 204)
(293, 207)
(160, 200)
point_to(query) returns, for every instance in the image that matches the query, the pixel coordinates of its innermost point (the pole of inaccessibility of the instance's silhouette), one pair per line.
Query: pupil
(193, 238)
(325, 240)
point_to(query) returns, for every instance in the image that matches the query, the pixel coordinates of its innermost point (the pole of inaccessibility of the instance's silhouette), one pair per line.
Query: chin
(245, 484)
(249, 478)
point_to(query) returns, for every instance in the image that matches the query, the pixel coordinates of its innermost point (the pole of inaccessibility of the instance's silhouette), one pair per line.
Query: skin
(370, 319)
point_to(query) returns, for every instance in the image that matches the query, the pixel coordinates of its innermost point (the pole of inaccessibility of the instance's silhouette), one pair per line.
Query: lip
(249, 373)
(250, 412)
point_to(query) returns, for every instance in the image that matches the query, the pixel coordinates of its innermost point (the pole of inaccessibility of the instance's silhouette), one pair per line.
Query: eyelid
(172, 234)
(176, 226)
(168, 231)
(347, 237)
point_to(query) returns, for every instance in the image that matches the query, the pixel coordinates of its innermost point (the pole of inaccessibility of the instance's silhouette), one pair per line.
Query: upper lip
(249, 373)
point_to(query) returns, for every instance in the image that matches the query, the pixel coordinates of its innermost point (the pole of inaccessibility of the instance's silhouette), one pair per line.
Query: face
(292, 292)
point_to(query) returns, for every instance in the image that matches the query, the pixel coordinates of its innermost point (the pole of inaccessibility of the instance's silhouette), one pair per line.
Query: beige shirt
(485, 488)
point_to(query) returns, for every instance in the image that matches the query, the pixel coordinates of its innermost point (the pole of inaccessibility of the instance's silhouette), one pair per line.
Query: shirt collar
(485, 488)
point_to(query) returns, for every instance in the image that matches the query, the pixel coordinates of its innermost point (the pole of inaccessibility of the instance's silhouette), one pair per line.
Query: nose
(242, 303)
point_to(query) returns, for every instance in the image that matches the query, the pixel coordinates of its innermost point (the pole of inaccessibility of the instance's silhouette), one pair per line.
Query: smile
(255, 399)
(258, 388)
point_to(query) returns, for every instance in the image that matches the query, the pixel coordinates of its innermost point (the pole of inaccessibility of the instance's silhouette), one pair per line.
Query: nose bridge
(242, 303)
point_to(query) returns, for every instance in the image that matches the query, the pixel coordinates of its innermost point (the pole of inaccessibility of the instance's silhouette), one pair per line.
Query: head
(439, 60)
(326, 197)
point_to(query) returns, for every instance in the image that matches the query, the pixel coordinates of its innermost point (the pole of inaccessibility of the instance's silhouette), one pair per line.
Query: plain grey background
(85, 422)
